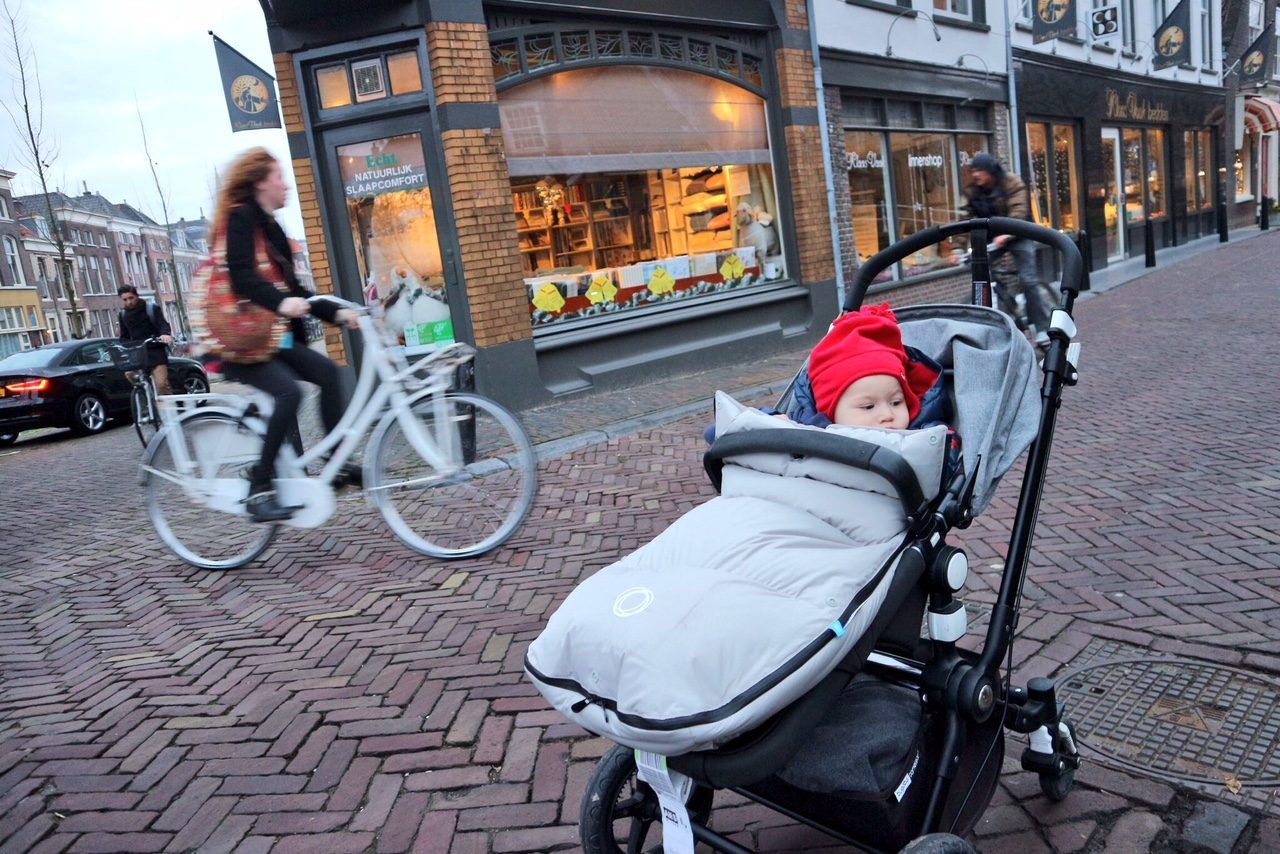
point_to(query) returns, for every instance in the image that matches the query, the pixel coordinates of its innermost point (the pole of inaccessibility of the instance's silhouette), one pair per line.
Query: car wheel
(89, 415)
(196, 384)
(7, 439)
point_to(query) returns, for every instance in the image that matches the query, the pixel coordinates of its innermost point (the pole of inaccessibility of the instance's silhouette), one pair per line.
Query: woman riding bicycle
(995, 192)
(260, 267)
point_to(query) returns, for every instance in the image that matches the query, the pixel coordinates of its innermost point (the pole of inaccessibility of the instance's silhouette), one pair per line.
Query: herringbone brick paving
(345, 694)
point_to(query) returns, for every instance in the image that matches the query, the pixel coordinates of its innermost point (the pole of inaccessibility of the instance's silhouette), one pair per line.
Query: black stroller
(895, 736)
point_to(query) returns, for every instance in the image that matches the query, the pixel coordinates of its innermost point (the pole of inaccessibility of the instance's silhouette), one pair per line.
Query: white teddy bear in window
(409, 301)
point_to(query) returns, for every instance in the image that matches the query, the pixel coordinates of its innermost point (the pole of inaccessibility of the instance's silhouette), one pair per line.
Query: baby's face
(874, 401)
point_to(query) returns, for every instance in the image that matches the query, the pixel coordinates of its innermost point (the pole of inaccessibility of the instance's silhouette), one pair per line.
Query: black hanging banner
(1255, 65)
(1173, 38)
(250, 91)
(1053, 19)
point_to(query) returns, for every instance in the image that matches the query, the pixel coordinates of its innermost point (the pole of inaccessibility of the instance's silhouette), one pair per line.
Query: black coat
(243, 223)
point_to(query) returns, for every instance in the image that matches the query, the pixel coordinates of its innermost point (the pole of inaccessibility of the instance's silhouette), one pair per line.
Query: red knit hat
(861, 344)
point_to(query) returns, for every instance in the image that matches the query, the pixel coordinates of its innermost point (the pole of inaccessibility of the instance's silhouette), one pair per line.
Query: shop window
(1204, 169)
(923, 177)
(1156, 174)
(393, 228)
(868, 191)
(1131, 169)
(901, 182)
(1052, 171)
(369, 79)
(635, 186)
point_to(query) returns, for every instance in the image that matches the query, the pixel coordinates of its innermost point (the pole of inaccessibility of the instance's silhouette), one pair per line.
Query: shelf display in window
(608, 242)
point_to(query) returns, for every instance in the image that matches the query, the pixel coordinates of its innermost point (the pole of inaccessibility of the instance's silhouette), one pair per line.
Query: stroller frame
(968, 691)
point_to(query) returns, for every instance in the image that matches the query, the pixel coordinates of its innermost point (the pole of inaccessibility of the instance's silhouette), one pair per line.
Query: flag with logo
(1256, 62)
(1173, 38)
(1053, 19)
(250, 91)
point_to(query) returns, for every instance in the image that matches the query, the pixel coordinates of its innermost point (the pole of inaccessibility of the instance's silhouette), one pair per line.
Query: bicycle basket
(129, 357)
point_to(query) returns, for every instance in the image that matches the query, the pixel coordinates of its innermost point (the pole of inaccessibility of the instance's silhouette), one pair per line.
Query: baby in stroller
(769, 640)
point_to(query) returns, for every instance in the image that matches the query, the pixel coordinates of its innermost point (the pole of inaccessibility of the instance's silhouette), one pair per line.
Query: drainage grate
(1182, 720)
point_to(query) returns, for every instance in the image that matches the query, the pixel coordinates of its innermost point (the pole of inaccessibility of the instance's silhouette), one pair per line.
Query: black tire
(88, 414)
(7, 439)
(195, 384)
(143, 426)
(615, 794)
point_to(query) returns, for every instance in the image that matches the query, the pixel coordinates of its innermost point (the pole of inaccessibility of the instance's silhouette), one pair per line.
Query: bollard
(1264, 216)
(1222, 222)
(465, 380)
(1086, 255)
(1149, 238)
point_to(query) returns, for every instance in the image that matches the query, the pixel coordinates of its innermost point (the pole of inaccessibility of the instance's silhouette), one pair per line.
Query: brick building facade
(433, 148)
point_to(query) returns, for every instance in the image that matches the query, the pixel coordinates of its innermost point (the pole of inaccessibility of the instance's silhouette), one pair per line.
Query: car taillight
(27, 386)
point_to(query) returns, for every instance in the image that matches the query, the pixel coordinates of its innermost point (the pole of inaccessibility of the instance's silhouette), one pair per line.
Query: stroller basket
(129, 357)
(769, 641)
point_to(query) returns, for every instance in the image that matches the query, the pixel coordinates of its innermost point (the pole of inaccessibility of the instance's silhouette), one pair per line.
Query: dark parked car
(75, 384)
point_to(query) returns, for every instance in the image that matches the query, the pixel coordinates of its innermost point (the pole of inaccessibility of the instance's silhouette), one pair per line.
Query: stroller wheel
(938, 843)
(1057, 784)
(619, 811)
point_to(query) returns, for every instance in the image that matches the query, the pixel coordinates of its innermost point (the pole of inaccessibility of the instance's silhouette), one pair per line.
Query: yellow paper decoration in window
(732, 268)
(548, 298)
(661, 282)
(601, 290)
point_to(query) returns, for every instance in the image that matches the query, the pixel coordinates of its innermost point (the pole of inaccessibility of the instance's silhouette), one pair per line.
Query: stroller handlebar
(1072, 263)
(827, 446)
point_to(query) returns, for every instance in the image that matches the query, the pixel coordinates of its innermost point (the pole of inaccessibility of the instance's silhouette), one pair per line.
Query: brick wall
(480, 187)
(809, 213)
(1000, 125)
(287, 82)
(797, 15)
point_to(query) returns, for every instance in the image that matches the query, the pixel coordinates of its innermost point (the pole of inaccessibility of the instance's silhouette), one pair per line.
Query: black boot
(262, 501)
(351, 474)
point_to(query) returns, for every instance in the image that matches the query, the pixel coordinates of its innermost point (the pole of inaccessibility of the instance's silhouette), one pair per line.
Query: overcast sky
(95, 57)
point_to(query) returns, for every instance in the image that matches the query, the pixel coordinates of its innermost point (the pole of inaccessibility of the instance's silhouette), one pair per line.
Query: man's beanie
(861, 344)
(984, 163)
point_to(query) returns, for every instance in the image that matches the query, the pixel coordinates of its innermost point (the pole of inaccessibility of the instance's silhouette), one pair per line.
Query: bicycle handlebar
(340, 302)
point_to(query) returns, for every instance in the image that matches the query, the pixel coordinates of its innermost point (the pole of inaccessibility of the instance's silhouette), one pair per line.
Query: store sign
(382, 166)
(1053, 19)
(924, 161)
(1104, 23)
(1130, 108)
(870, 160)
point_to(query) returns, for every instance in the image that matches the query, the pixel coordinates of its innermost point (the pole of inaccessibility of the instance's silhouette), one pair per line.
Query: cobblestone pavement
(345, 694)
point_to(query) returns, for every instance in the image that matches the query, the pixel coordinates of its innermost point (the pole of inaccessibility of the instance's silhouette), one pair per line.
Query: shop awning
(1265, 110)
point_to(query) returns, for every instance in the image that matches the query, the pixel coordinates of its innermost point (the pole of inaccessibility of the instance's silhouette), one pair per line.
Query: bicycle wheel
(184, 509)
(473, 508)
(146, 420)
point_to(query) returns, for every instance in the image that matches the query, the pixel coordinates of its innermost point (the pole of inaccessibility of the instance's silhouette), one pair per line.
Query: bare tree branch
(164, 213)
(28, 120)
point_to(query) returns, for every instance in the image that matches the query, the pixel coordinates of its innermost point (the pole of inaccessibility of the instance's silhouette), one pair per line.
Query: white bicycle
(453, 473)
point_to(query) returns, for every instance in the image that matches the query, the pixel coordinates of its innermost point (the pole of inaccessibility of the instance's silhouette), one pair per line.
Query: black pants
(279, 378)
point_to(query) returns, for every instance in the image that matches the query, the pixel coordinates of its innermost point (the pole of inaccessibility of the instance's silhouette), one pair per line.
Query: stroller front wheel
(1056, 785)
(619, 810)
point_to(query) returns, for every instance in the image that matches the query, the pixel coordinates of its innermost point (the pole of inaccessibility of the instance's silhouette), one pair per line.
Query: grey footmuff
(742, 605)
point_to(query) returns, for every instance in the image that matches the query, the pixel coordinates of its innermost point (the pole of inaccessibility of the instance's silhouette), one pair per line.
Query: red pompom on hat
(861, 344)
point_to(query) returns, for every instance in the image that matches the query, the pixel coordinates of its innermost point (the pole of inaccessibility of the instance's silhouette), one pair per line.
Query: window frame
(883, 127)
(13, 258)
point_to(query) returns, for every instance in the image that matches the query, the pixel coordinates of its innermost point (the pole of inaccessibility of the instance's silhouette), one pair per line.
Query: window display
(1156, 172)
(634, 186)
(868, 181)
(1132, 171)
(393, 227)
(1053, 181)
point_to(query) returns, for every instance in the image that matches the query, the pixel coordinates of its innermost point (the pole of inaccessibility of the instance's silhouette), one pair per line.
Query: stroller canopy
(994, 384)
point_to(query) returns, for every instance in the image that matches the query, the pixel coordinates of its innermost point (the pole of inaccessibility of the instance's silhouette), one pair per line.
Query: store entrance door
(382, 175)
(1113, 194)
